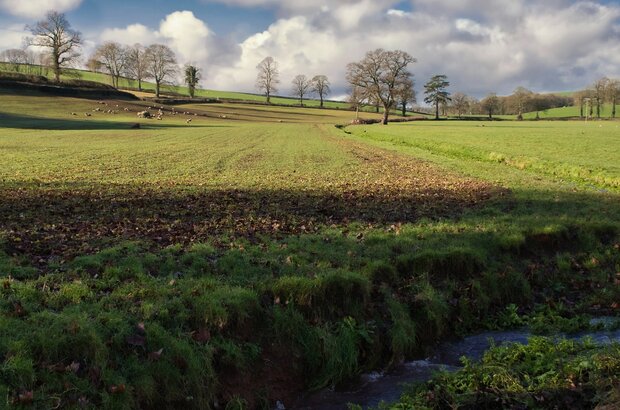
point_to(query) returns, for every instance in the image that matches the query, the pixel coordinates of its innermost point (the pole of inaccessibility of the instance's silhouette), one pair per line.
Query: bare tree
(613, 93)
(15, 57)
(490, 104)
(93, 65)
(113, 57)
(268, 77)
(161, 64)
(56, 33)
(380, 74)
(460, 104)
(357, 98)
(405, 95)
(192, 77)
(599, 91)
(137, 64)
(321, 87)
(522, 98)
(436, 92)
(301, 85)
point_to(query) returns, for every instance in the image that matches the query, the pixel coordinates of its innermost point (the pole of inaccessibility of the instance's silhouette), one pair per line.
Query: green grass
(573, 152)
(267, 257)
(572, 112)
(544, 374)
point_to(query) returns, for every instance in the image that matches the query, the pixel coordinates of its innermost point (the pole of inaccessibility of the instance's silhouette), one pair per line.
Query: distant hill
(569, 112)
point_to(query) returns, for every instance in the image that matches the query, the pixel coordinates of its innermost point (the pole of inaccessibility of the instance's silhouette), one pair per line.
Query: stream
(374, 388)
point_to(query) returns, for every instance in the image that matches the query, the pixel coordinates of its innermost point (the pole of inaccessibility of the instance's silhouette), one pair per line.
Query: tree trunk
(436, 110)
(156, 88)
(139, 84)
(613, 107)
(56, 69)
(321, 97)
(386, 114)
(268, 98)
(404, 109)
(581, 108)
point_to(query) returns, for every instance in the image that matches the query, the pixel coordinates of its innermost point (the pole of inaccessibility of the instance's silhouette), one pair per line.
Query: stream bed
(376, 387)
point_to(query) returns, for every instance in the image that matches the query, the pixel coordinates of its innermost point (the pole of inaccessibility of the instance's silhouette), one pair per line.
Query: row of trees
(55, 34)
(380, 79)
(157, 62)
(268, 79)
(592, 100)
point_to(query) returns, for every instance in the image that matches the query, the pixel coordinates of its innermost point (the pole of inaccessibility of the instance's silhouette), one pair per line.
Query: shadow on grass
(88, 123)
(71, 220)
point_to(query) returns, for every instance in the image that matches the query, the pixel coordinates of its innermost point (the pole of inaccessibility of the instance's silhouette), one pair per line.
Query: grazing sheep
(87, 114)
(188, 121)
(73, 113)
(144, 114)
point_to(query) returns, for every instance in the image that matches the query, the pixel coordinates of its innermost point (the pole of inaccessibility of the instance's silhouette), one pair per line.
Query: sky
(482, 46)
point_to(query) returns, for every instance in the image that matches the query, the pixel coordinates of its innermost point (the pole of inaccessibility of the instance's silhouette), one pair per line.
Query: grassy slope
(564, 112)
(125, 83)
(255, 243)
(573, 151)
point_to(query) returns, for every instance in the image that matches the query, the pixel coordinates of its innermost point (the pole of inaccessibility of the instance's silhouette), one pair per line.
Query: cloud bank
(37, 8)
(481, 45)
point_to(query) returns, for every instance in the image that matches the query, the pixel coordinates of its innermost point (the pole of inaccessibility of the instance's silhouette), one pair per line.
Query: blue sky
(482, 45)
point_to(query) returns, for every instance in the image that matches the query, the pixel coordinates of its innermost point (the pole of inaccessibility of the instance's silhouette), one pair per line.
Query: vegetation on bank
(241, 262)
(543, 374)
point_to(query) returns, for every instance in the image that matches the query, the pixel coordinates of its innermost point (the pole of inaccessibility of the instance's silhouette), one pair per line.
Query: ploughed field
(254, 253)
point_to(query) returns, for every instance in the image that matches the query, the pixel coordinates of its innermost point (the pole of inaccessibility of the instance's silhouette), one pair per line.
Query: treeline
(591, 102)
(518, 103)
(381, 79)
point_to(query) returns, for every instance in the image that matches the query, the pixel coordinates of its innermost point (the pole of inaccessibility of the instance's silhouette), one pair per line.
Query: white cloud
(482, 45)
(134, 33)
(189, 37)
(37, 8)
(12, 36)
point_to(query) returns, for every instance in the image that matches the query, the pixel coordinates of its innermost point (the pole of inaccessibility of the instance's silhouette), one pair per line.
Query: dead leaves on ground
(54, 224)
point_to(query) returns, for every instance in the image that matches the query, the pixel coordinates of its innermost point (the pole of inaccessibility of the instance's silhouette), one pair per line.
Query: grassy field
(563, 113)
(571, 152)
(258, 252)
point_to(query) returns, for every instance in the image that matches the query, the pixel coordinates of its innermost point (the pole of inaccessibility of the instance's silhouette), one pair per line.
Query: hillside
(569, 112)
(171, 90)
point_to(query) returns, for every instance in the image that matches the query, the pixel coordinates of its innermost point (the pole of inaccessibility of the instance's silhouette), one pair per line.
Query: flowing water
(377, 387)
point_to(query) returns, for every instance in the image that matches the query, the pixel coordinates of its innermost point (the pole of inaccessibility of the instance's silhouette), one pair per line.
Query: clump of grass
(451, 262)
(403, 332)
(330, 296)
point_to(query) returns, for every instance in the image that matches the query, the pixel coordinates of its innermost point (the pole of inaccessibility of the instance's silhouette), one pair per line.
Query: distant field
(575, 151)
(565, 112)
(256, 252)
